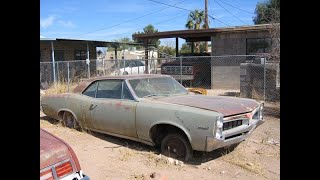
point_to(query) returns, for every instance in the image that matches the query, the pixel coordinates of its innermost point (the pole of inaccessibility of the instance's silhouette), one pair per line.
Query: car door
(113, 108)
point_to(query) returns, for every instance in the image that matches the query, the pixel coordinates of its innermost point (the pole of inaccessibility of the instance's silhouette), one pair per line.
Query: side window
(109, 89)
(91, 90)
(132, 64)
(139, 63)
(126, 93)
(114, 89)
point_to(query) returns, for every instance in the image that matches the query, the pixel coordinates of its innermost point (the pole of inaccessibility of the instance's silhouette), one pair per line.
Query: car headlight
(219, 133)
(219, 127)
(220, 122)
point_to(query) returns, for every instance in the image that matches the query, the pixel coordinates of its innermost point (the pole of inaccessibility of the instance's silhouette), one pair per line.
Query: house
(131, 53)
(225, 42)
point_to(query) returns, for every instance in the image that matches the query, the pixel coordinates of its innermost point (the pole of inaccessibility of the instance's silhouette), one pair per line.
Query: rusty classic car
(158, 111)
(57, 159)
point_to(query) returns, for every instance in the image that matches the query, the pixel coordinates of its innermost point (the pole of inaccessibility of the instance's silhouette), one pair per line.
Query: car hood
(52, 150)
(225, 105)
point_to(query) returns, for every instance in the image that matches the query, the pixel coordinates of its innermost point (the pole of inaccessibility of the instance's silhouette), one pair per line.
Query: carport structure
(240, 33)
(56, 49)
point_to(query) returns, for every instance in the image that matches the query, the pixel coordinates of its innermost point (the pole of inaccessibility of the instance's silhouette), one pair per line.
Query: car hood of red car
(225, 105)
(52, 150)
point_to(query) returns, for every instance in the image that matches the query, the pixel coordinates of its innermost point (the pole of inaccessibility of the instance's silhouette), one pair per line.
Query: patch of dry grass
(126, 154)
(237, 158)
(59, 88)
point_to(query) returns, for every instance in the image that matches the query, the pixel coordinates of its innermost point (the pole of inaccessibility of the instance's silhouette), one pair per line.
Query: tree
(186, 47)
(267, 11)
(196, 21)
(123, 46)
(166, 50)
(147, 30)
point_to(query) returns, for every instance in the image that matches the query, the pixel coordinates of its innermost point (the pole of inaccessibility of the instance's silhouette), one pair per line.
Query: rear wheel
(176, 146)
(69, 121)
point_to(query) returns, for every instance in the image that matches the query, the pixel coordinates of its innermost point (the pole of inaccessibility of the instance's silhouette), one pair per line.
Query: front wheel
(176, 146)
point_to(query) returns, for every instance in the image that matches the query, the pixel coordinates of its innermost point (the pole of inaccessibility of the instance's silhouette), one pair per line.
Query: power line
(186, 10)
(162, 21)
(126, 21)
(170, 5)
(236, 7)
(218, 20)
(230, 12)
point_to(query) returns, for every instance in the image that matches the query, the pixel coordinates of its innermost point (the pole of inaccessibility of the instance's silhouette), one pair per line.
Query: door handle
(92, 106)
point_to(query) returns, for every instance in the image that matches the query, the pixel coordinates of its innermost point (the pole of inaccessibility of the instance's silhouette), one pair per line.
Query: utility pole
(206, 22)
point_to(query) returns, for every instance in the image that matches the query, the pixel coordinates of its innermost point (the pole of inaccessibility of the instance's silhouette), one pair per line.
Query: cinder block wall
(225, 72)
(233, 43)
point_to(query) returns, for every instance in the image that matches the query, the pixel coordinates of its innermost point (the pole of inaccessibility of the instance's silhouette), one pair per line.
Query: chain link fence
(256, 77)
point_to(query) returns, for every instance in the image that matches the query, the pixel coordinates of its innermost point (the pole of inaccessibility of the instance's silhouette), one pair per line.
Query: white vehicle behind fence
(125, 67)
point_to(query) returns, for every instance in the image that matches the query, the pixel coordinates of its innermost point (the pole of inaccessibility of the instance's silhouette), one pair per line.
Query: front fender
(186, 132)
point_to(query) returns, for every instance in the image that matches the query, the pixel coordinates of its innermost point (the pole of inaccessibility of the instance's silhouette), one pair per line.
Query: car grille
(231, 124)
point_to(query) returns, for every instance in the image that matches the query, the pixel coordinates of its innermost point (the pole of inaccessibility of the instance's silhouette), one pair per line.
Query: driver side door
(113, 109)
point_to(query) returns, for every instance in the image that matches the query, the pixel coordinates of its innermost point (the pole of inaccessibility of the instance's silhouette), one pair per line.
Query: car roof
(85, 83)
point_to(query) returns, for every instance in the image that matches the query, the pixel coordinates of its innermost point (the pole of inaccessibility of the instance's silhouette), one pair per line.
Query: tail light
(46, 175)
(59, 171)
(64, 169)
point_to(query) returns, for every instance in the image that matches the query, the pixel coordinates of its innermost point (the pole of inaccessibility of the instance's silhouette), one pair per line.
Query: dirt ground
(105, 157)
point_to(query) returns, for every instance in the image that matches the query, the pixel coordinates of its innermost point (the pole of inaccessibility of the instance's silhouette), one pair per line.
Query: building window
(80, 55)
(258, 45)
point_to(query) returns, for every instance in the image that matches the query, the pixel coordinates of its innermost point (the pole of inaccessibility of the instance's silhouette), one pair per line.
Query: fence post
(264, 78)
(53, 63)
(154, 66)
(104, 68)
(68, 75)
(88, 64)
(118, 66)
(180, 70)
(57, 71)
(124, 67)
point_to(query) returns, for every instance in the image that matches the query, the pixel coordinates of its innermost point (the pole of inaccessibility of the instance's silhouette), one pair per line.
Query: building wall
(233, 43)
(225, 72)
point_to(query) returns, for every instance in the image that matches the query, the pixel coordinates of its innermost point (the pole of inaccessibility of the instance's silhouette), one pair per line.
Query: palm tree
(196, 21)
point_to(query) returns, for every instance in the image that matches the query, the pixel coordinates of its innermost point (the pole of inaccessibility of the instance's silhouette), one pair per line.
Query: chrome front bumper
(232, 136)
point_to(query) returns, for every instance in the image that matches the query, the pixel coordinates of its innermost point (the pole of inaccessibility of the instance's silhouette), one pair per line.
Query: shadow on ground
(50, 120)
(199, 157)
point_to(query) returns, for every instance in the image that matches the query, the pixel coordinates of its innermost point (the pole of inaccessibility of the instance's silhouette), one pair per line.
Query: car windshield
(159, 86)
(128, 63)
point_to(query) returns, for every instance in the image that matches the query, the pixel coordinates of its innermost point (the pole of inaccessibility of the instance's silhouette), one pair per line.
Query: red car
(57, 159)
(196, 69)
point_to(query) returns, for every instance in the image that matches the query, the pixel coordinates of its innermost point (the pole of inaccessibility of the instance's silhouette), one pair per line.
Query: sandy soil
(106, 157)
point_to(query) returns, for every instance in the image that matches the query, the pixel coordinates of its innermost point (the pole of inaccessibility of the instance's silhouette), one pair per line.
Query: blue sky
(83, 19)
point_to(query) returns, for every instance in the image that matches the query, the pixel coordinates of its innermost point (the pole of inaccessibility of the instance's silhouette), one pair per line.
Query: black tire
(125, 73)
(176, 146)
(69, 121)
